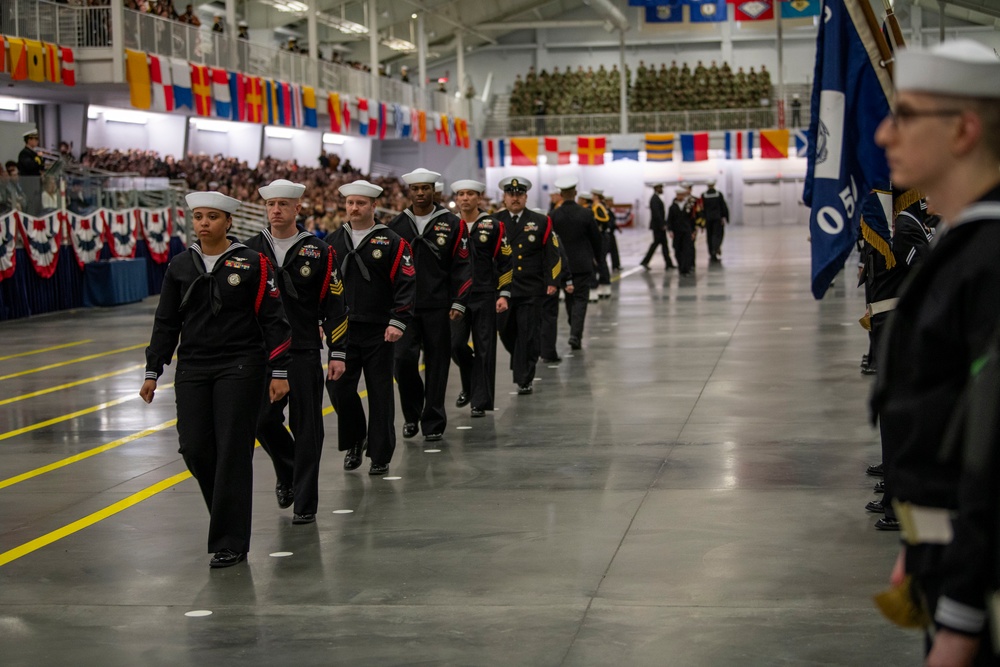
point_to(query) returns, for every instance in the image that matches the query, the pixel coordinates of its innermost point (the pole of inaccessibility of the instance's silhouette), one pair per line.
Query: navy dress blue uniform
(537, 266)
(939, 332)
(444, 282)
(680, 223)
(312, 294)
(550, 309)
(657, 225)
(379, 279)
(716, 211)
(231, 327)
(492, 275)
(579, 236)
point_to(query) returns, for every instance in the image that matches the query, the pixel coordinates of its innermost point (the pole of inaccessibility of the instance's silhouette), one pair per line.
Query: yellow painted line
(94, 378)
(72, 361)
(74, 415)
(11, 481)
(91, 519)
(44, 349)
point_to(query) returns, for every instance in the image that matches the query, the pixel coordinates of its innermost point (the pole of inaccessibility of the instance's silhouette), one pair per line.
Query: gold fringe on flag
(905, 201)
(879, 243)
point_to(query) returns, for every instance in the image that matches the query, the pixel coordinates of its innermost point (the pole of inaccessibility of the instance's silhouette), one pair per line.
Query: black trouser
(216, 418)
(659, 239)
(714, 230)
(616, 262)
(549, 329)
(890, 436)
(684, 250)
(576, 305)
(296, 455)
(367, 351)
(430, 330)
(521, 336)
(478, 365)
(603, 272)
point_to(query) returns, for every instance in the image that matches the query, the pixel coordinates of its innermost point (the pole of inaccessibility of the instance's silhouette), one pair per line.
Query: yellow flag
(137, 73)
(36, 60)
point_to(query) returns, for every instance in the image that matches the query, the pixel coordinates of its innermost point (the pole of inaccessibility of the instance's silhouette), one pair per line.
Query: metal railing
(57, 23)
(668, 121)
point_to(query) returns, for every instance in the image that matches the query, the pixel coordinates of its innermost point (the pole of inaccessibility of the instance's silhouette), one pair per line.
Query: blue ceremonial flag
(801, 142)
(707, 11)
(665, 12)
(406, 121)
(797, 9)
(849, 100)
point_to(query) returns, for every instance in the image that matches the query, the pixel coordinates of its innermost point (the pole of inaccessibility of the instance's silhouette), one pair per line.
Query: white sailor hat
(33, 132)
(539, 210)
(566, 182)
(515, 184)
(215, 200)
(468, 184)
(439, 187)
(597, 191)
(281, 189)
(421, 176)
(583, 194)
(960, 67)
(243, 24)
(685, 184)
(361, 188)
(711, 183)
(681, 190)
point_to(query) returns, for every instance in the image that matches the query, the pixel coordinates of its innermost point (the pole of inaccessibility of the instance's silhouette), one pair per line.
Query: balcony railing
(90, 27)
(669, 121)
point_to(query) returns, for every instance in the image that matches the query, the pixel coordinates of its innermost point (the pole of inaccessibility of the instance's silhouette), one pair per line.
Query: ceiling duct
(610, 12)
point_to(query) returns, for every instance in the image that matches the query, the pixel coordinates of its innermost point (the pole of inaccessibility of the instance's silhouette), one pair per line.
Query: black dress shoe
(462, 400)
(410, 429)
(875, 470)
(353, 459)
(644, 266)
(574, 344)
(303, 518)
(379, 469)
(227, 558)
(433, 437)
(875, 506)
(887, 524)
(478, 412)
(284, 494)
(523, 389)
(551, 360)
(880, 486)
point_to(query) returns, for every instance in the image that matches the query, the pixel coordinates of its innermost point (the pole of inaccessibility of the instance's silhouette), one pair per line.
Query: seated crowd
(653, 90)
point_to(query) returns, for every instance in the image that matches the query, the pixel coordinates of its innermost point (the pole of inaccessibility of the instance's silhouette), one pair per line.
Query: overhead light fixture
(211, 125)
(7, 104)
(343, 25)
(92, 113)
(413, 15)
(125, 116)
(397, 44)
(278, 133)
(335, 139)
(291, 6)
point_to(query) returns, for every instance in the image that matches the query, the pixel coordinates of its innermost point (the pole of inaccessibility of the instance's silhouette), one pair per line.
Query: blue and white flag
(801, 142)
(707, 11)
(665, 11)
(850, 98)
(405, 121)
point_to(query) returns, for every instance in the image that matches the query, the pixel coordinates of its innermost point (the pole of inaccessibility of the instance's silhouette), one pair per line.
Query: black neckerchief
(285, 278)
(438, 211)
(353, 252)
(214, 293)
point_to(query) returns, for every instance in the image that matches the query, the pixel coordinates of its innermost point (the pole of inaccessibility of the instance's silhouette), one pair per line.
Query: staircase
(496, 123)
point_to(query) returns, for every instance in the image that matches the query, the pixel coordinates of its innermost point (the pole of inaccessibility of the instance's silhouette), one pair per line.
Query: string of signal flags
(164, 84)
(33, 60)
(595, 150)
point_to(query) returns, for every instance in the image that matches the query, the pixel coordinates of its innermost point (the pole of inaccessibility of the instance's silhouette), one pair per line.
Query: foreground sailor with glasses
(944, 139)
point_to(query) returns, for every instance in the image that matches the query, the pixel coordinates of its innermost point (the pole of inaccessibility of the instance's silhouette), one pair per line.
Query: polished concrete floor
(687, 490)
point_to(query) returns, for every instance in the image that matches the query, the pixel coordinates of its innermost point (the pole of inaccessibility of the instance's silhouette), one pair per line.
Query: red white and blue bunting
(41, 238)
(87, 234)
(123, 230)
(8, 234)
(156, 229)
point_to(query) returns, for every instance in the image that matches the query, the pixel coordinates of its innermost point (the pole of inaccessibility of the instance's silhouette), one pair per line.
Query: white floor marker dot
(555, 366)
(197, 612)
(391, 479)
(512, 393)
(432, 451)
(568, 356)
(785, 329)
(464, 428)
(343, 511)
(280, 554)
(595, 338)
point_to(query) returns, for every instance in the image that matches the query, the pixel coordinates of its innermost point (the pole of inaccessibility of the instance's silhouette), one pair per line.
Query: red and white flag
(68, 66)
(163, 85)
(558, 150)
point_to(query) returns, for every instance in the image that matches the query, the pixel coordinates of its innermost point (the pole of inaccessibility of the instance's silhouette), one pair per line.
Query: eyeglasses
(903, 115)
